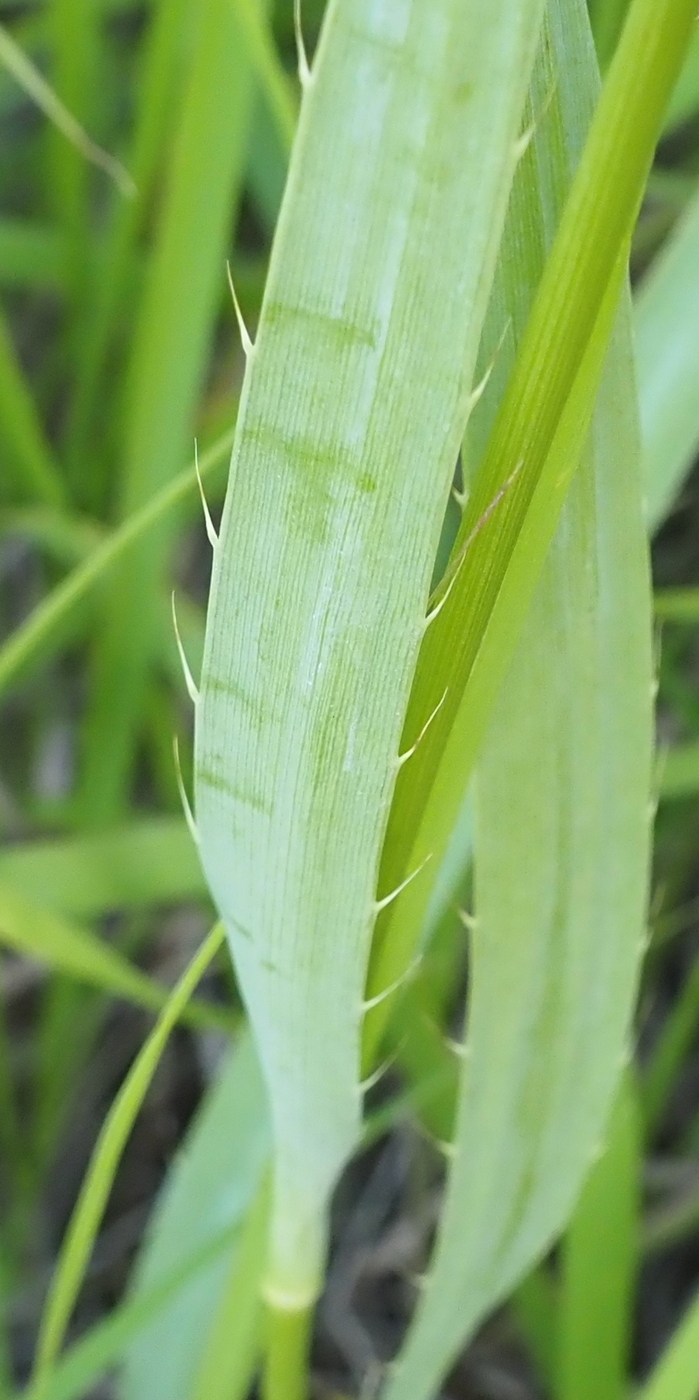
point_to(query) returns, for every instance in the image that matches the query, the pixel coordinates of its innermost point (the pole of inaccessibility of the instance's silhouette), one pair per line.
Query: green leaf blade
(352, 413)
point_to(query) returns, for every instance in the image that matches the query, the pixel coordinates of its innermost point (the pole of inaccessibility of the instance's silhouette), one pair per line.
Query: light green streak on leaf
(676, 1375)
(166, 371)
(39, 933)
(667, 355)
(535, 1307)
(210, 1188)
(599, 1265)
(151, 861)
(34, 638)
(97, 1184)
(562, 819)
(352, 412)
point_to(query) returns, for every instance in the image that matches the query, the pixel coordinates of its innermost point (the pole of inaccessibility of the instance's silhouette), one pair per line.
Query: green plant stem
(288, 1346)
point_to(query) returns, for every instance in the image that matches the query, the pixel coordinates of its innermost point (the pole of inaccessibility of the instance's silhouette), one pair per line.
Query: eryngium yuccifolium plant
(355, 402)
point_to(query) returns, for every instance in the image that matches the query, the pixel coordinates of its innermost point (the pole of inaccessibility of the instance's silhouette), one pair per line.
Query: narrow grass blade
(35, 468)
(66, 538)
(106, 1342)
(33, 639)
(211, 1187)
(40, 933)
(353, 408)
(97, 1184)
(41, 92)
(561, 807)
(272, 79)
(599, 1265)
(159, 93)
(677, 604)
(667, 353)
(150, 861)
(167, 367)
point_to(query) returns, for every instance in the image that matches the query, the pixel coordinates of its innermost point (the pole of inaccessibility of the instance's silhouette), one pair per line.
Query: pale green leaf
(353, 408)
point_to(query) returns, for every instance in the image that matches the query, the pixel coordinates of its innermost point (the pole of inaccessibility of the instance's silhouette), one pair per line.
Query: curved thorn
(484, 518)
(447, 1149)
(403, 757)
(392, 987)
(192, 690)
(210, 527)
(366, 1084)
(523, 142)
(301, 55)
(469, 921)
(457, 1047)
(380, 904)
(189, 816)
(246, 342)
